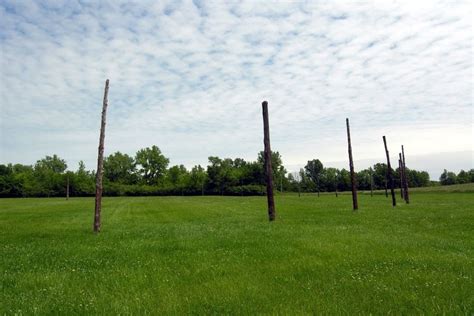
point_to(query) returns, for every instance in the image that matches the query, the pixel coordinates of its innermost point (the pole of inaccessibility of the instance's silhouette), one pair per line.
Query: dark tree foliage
(120, 168)
(447, 178)
(314, 169)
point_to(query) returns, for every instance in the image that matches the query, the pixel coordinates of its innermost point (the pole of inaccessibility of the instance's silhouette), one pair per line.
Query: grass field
(217, 255)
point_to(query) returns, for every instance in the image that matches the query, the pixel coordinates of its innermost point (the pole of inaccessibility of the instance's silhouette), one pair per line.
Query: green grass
(455, 188)
(220, 255)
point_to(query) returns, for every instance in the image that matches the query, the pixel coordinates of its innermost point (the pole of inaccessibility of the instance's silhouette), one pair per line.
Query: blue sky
(190, 76)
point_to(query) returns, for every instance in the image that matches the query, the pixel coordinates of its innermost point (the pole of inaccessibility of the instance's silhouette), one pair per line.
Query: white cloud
(190, 77)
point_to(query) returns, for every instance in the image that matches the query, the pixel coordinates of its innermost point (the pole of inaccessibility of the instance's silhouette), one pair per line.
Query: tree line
(149, 173)
(449, 177)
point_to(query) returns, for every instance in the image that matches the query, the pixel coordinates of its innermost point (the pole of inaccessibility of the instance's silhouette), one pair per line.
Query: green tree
(84, 181)
(152, 164)
(447, 178)
(120, 168)
(177, 175)
(198, 177)
(380, 175)
(314, 169)
(344, 182)
(221, 175)
(363, 179)
(471, 175)
(48, 179)
(463, 177)
(51, 163)
(278, 170)
(329, 179)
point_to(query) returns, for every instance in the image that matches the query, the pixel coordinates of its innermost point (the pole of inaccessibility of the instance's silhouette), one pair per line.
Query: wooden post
(389, 174)
(336, 178)
(268, 162)
(67, 188)
(100, 162)
(351, 166)
(400, 175)
(405, 178)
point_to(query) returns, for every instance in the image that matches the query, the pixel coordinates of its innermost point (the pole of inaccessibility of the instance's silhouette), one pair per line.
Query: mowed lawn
(220, 255)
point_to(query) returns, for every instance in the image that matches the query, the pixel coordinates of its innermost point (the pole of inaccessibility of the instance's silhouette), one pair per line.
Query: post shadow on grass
(268, 162)
(100, 162)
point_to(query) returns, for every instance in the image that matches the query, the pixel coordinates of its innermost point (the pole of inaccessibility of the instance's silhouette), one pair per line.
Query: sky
(190, 76)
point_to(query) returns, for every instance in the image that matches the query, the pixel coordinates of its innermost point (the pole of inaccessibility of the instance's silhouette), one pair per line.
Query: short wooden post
(389, 174)
(268, 162)
(100, 162)
(355, 205)
(405, 177)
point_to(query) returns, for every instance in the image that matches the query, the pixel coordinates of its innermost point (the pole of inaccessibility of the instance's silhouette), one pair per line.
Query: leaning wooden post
(400, 175)
(405, 178)
(351, 166)
(67, 188)
(389, 174)
(268, 162)
(100, 162)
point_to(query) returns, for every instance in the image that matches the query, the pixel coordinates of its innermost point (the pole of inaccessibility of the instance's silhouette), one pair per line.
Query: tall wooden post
(351, 166)
(268, 162)
(67, 188)
(100, 162)
(389, 174)
(405, 177)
